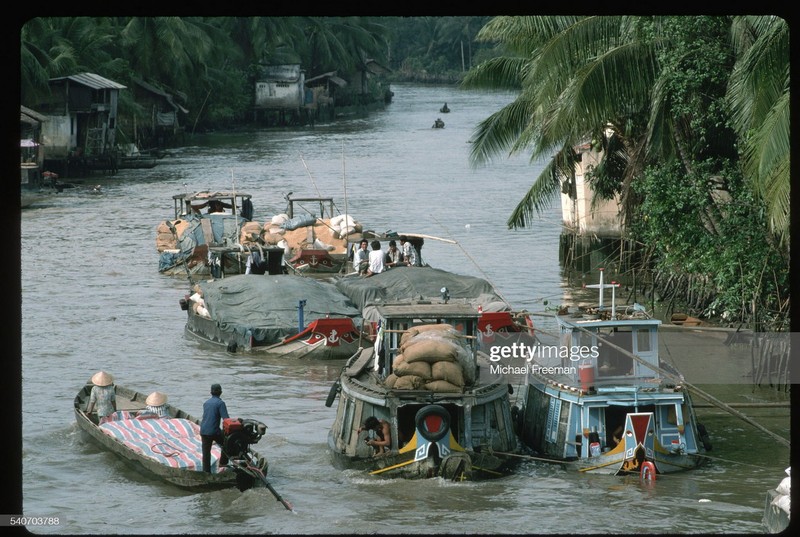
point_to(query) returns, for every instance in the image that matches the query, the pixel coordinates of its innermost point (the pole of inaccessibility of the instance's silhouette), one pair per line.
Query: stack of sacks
(198, 303)
(319, 236)
(344, 225)
(250, 234)
(432, 357)
(165, 239)
(272, 233)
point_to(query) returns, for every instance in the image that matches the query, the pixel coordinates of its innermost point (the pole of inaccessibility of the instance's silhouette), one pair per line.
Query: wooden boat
(226, 240)
(195, 242)
(454, 422)
(280, 315)
(170, 447)
(607, 405)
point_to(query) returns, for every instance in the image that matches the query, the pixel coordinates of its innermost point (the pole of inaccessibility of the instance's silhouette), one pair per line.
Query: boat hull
(569, 426)
(475, 438)
(188, 478)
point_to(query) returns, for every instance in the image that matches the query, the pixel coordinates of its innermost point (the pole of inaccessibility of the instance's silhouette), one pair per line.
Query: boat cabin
(595, 359)
(225, 202)
(397, 319)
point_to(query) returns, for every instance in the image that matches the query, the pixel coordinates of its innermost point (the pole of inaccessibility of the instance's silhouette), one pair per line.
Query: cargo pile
(432, 357)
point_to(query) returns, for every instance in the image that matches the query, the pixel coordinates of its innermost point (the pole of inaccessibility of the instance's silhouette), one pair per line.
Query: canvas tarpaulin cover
(407, 284)
(268, 305)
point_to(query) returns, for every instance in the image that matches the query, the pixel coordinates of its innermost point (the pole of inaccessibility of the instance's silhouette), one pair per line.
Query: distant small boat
(170, 447)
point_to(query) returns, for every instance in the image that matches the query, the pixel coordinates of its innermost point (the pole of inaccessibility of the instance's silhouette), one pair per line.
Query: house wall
(58, 136)
(578, 215)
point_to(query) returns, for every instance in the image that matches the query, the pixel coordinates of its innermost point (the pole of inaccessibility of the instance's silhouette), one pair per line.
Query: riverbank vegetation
(691, 112)
(692, 116)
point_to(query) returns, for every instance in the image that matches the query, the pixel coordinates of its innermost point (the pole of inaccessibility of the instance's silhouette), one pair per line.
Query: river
(92, 299)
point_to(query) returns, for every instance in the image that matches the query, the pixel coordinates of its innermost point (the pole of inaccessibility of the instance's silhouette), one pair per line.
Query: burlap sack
(251, 231)
(409, 382)
(419, 369)
(390, 380)
(441, 386)
(414, 330)
(449, 371)
(431, 350)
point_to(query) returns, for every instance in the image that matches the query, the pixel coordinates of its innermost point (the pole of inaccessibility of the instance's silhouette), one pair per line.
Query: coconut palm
(759, 95)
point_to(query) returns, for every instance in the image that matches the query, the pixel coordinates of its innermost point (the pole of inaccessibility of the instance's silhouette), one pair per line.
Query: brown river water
(92, 298)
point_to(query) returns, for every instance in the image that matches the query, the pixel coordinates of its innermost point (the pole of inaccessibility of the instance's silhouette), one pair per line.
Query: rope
(166, 454)
(486, 276)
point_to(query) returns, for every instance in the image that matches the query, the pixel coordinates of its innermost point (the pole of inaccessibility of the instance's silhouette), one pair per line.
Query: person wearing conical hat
(156, 405)
(103, 396)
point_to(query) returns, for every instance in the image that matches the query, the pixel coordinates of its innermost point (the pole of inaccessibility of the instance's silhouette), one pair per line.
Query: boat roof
(427, 309)
(589, 324)
(206, 195)
(418, 285)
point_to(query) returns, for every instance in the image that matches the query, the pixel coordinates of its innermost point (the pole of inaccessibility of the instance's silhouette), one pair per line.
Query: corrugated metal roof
(91, 80)
(30, 116)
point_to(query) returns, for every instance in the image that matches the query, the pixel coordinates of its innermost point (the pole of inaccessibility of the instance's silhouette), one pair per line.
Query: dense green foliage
(696, 151)
(691, 112)
(210, 63)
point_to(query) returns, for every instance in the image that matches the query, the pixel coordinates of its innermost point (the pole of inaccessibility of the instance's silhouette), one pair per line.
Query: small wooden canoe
(170, 447)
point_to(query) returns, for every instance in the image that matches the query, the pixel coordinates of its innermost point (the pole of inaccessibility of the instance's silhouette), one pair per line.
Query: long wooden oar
(274, 492)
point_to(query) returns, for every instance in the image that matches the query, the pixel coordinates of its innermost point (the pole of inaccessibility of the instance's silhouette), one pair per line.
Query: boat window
(642, 340)
(612, 362)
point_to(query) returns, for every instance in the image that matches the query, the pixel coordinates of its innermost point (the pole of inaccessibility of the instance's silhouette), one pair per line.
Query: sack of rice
(409, 382)
(449, 371)
(251, 231)
(390, 380)
(419, 369)
(431, 350)
(441, 386)
(446, 335)
(414, 330)
(279, 219)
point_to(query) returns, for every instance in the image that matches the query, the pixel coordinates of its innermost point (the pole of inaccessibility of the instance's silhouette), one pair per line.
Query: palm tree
(759, 94)
(582, 79)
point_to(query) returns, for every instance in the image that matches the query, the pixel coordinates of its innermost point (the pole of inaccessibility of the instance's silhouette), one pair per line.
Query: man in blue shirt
(214, 410)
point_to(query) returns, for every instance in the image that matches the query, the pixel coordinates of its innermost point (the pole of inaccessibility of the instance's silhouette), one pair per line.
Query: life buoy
(332, 394)
(432, 411)
(648, 471)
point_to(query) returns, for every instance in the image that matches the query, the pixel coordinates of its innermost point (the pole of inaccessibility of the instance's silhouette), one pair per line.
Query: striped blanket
(173, 442)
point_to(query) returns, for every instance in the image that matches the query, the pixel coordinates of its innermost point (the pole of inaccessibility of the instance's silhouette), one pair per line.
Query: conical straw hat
(101, 378)
(156, 399)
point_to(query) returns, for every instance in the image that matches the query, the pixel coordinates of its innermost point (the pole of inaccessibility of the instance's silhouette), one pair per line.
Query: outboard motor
(239, 434)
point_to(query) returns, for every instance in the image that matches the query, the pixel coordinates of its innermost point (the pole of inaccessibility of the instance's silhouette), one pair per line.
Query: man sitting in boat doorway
(361, 258)
(393, 256)
(383, 434)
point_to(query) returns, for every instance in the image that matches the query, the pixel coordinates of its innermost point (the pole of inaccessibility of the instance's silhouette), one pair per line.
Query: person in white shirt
(361, 258)
(376, 265)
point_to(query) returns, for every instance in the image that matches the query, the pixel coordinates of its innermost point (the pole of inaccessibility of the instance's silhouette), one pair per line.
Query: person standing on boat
(376, 265)
(393, 257)
(103, 396)
(383, 434)
(361, 258)
(214, 411)
(156, 405)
